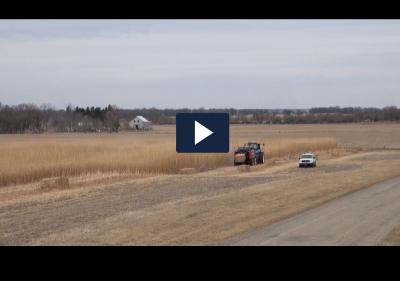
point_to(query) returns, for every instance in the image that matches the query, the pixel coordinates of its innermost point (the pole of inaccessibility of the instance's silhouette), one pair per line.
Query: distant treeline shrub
(37, 119)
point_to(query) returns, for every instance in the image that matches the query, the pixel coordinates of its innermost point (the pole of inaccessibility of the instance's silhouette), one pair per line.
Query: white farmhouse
(140, 123)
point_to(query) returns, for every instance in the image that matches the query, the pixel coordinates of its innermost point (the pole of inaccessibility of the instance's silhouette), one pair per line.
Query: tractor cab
(250, 153)
(254, 145)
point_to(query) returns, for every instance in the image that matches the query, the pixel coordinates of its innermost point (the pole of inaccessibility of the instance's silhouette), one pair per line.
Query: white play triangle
(200, 132)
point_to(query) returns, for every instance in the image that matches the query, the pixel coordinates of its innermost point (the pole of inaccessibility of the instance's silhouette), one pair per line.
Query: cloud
(141, 61)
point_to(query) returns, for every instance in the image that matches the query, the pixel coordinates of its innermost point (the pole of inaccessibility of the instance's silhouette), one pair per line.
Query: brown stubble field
(123, 203)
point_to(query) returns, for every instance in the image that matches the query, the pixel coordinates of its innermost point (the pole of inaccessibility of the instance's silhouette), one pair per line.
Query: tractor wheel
(262, 158)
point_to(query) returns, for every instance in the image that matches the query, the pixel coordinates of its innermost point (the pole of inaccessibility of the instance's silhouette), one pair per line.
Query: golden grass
(373, 135)
(275, 148)
(37, 159)
(30, 158)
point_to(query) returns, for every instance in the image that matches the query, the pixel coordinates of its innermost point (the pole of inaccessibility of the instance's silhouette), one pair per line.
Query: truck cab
(307, 159)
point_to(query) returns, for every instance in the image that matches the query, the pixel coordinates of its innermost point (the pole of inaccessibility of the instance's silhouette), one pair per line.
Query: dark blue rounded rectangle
(216, 142)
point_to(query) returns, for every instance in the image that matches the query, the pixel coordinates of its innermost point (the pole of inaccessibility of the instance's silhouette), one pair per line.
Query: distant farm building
(140, 123)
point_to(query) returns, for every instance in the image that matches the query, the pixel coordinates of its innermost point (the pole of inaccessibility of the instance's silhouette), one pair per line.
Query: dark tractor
(251, 154)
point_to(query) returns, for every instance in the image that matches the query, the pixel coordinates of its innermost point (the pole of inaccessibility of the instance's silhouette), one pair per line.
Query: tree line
(23, 118)
(31, 118)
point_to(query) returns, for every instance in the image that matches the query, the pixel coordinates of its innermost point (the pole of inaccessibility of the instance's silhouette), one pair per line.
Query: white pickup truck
(308, 160)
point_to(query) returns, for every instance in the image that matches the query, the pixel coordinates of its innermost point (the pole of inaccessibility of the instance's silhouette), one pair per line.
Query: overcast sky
(202, 63)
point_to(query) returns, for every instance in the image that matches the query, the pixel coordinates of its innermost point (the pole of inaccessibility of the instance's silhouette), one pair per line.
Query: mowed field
(127, 188)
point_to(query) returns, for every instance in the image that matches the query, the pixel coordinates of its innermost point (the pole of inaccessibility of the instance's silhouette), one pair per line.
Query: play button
(202, 132)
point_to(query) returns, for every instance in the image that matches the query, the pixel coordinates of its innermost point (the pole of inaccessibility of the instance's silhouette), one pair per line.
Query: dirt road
(364, 217)
(200, 209)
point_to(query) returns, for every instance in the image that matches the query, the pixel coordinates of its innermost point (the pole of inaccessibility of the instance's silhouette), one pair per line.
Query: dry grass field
(366, 136)
(205, 208)
(31, 158)
(127, 188)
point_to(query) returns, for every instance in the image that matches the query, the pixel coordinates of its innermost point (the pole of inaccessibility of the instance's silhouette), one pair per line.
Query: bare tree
(112, 118)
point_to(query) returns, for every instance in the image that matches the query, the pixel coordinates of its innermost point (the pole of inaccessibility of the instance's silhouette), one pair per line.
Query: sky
(200, 63)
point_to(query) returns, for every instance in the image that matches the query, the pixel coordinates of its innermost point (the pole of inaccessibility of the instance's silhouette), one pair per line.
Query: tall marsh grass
(280, 147)
(25, 159)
